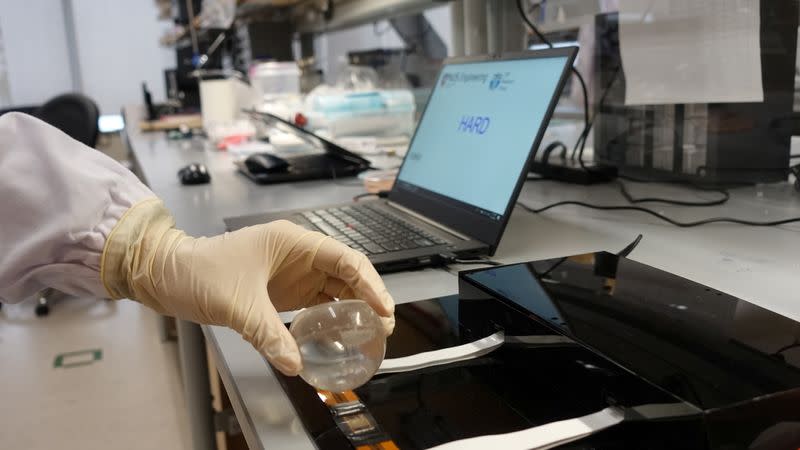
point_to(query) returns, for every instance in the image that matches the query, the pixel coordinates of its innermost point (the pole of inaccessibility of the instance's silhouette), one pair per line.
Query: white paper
(544, 436)
(690, 51)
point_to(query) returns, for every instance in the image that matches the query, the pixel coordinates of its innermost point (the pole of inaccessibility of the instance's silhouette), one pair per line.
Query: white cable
(544, 436)
(443, 356)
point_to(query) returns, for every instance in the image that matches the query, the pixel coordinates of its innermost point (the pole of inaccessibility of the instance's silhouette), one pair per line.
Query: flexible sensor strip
(444, 356)
(544, 436)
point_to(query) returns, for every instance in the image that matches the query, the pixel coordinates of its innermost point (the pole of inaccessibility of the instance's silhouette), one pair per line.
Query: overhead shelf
(310, 18)
(358, 12)
(246, 7)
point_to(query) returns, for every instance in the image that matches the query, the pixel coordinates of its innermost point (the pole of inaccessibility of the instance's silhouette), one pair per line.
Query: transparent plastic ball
(342, 344)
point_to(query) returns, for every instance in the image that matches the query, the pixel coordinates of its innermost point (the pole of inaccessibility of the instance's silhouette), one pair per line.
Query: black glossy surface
(704, 346)
(635, 336)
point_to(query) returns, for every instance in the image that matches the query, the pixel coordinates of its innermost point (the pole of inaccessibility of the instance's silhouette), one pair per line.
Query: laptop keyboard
(370, 230)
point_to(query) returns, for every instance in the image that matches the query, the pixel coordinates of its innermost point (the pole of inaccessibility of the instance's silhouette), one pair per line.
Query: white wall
(36, 52)
(118, 49)
(331, 48)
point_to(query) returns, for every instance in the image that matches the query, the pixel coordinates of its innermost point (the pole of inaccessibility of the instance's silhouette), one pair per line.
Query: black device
(706, 142)
(328, 160)
(148, 103)
(464, 168)
(572, 171)
(690, 367)
(194, 173)
(267, 40)
(265, 163)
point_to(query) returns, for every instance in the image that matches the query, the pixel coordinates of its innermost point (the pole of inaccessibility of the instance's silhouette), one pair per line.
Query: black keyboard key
(373, 248)
(390, 246)
(408, 245)
(327, 229)
(423, 242)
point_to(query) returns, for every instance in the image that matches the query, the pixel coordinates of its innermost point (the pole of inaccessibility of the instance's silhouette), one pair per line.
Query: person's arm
(81, 223)
(59, 201)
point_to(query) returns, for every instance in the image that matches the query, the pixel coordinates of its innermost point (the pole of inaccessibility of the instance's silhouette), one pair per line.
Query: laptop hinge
(417, 215)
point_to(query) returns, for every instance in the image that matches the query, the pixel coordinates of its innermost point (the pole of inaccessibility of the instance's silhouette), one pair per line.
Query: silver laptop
(464, 169)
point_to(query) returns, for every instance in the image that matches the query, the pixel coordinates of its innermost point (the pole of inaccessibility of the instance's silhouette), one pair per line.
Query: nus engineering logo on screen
(500, 81)
(474, 124)
(496, 80)
(453, 78)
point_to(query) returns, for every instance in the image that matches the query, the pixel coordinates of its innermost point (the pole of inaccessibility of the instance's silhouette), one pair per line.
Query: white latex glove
(238, 279)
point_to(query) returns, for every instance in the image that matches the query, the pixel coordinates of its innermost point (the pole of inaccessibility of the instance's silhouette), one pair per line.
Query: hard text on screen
(474, 124)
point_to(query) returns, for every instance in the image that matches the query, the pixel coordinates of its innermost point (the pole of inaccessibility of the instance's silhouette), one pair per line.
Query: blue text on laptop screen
(479, 127)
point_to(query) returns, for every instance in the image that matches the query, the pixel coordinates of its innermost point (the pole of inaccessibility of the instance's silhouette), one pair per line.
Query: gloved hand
(239, 279)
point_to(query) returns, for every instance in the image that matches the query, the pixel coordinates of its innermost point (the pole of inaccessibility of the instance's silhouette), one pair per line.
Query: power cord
(725, 195)
(586, 121)
(450, 258)
(625, 193)
(487, 262)
(630, 247)
(379, 194)
(659, 215)
(535, 30)
(554, 146)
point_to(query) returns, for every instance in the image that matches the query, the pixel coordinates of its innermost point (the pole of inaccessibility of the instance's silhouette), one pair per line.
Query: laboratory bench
(756, 264)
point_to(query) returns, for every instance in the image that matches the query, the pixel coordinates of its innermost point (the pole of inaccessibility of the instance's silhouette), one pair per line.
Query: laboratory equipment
(342, 344)
(275, 79)
(706, 142)
(688, 366)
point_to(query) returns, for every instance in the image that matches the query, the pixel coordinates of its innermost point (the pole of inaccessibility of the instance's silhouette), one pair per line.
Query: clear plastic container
(275, 79)
(375, 113)
(342, 344)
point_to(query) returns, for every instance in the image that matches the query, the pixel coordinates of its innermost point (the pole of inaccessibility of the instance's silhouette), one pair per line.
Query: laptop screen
(478, 128)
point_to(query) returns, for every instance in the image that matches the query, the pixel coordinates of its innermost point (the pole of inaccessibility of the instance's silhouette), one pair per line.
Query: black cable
(585, 97)
(630, 247)
(661, 216)
(725, 197)
(586, 123)
(785, 348)
(487, 262)
(581, 142)
(450, 258)
(553, 146)
(631, 199)
(535, 30)
(553, 267)
(364, 195)
(379, 194)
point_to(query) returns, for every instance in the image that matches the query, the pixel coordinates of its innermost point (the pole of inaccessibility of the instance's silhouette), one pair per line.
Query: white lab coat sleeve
(59, 200)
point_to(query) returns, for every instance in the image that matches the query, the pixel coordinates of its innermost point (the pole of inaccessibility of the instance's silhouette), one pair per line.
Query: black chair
(76, 115)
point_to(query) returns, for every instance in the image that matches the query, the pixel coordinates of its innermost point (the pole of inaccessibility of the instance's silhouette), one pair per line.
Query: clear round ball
(342, 344)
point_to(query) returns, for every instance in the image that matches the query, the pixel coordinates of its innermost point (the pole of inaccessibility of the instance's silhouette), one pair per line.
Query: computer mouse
(194, 173)
(265, 163)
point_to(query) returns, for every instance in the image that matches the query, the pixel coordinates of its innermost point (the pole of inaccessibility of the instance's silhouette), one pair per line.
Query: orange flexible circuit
(357, 423)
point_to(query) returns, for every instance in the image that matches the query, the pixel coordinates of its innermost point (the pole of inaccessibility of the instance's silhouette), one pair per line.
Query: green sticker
(77, 358)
